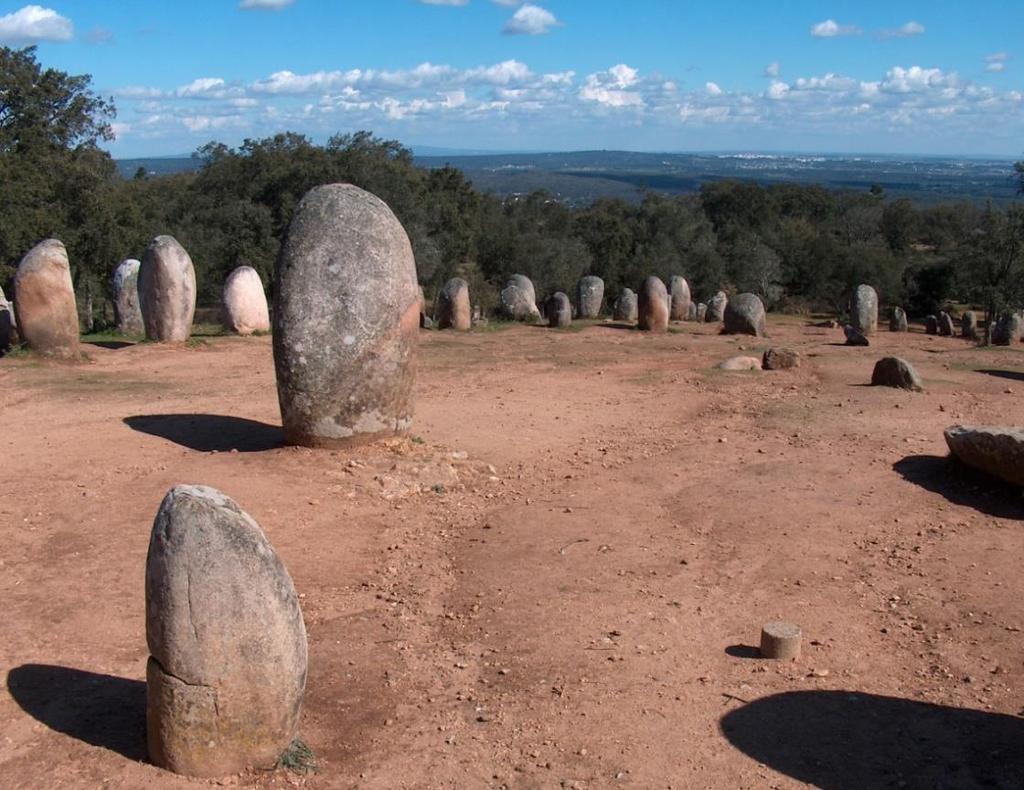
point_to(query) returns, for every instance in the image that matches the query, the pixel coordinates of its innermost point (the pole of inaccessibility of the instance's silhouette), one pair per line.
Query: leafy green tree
(995, 263)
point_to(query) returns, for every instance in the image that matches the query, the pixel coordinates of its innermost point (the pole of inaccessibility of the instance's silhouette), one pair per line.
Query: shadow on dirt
(842, 740)
(962, 486)
(1012, 375)
(209, 432)
(113, 345)
(101, 710)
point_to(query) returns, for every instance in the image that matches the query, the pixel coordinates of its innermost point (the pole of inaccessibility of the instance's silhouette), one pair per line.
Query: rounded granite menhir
(167, 291)
(44, 300)
(244, 309)
(346, 320)
(125, 287)
(589, 296)
(652, 305)
(559, 311)
(452, 310)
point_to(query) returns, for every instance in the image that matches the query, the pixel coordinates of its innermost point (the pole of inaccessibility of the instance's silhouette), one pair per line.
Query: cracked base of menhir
(227, 667)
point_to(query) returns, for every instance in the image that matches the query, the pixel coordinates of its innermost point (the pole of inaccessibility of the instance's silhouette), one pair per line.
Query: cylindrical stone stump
(780, 640)
(452, 310)
(346, 321)
(652, 306)
(44, 300)
(167, 291)
(559, 311)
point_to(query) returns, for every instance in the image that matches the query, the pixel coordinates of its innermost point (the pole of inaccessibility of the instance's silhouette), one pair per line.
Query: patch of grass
(298, 758)
(196, 341)
(111, 337)
(417, 440)
(208, 330)
(19, 351)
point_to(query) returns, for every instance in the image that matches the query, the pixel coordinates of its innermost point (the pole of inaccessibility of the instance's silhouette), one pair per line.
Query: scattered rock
(589, 296)
(452, 310)
(896, 372)
(652, 306)
(946, 325)
(125, 287)
(780, 359)
(969, 325)
(898, 320)
(864, 310)
(346, 318)
(740, 363)
(996, 450)
(716, 308)
(626, 306)
(167, 291)
(245, 302)
(679, 292)
(559, 311)
(228, 654)
(855, 338)
(744, 315)
(44, 300)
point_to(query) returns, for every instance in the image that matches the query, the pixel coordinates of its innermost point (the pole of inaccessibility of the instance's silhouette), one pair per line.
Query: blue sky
(673, 75)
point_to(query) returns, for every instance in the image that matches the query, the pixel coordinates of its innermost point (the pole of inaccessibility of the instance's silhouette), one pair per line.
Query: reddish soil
(582, 615)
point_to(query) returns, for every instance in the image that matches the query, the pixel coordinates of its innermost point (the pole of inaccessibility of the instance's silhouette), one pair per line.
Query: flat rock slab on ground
(999, 451)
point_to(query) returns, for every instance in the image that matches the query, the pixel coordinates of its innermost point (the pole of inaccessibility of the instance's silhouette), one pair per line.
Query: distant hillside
(157, 166)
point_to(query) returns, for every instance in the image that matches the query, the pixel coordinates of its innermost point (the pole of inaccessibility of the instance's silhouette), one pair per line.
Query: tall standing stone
(525, 284)
(898, 320)
(519, 299)
(167, 291)
(691, 314)
(652, 305)
(1007, 330)
(228, 654)
(946, 324)
(589, 296)
(744, 315)
(626, 306)
(679, 290)
(559, 311)
(702, 312)
(931, 325)
(969, 325)
(44, 300)
(716, 308)
(125, 287)
(346, 320)
(244, 309)
(864, 310)
(452, 310)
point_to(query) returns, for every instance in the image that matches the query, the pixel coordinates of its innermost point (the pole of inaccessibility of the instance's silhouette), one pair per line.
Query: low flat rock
(896, 372)
(780, 359)
(559, 311)
(740, 363)
(44, 300)
(745, 315)
(996, 450)
(245, 302)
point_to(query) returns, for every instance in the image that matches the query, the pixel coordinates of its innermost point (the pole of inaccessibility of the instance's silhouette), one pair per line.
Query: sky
(910, 77)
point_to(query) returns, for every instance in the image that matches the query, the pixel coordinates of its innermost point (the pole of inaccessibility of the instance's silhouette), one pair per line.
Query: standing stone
(780, 641)
(127, 310)
(245, 302)
(652, 306)
(559, 311)
(525, 284)
(346, 320)
(896, 372)
(167, 291)
(744, 315)
(702, 312)
(626, 306)
(425, 321)
(945, 325)
(519, 299)
(589, 296)
(898, 320)
(8, 325)
(969, 325)
(228, 654)
(1007, 330)
(716, 308)
(864, 310)
(452, 310)
(691, 314)
(855, 338)
(996, 450)
(931, 325)
(44, 300)
(679, 290)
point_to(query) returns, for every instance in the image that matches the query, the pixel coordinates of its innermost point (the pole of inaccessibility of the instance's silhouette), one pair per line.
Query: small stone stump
(780, 359)
(679, 291)
(701, 314)
(896, 372)
(125, 287)
(227, 666)
(715, 312)
(652, 306)
(452, 310)
(44, 300)
(167, 291)
(589, 296)
(854, 337)
(740, 363)
(559, 311)
(626, 306)
(245, 302)
(691, 314)
(780, 640)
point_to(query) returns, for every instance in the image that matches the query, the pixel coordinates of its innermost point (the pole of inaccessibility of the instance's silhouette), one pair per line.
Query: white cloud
(530, 20)
(996, 62)
(264, 5)
(777, 90)
(608, 88)
(831, 29)
(772, 70)
(35, 23)
(916, 79)
(712, 88)
(906, 30)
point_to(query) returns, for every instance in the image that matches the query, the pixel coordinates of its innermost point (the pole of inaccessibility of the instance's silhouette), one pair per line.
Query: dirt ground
(558, 580)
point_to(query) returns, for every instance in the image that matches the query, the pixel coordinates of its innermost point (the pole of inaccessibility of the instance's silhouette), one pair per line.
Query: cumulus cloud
(34, 23)
(906, 30)
(611, 88)
(996, 62)
(831, 29)
(530, 20)
(772, 70)
(264, 5)
(712, 88)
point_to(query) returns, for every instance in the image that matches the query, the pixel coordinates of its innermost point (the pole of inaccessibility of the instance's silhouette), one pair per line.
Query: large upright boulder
(1007, 330)
(525, 284)
(519, 299)
(716, 308)
(946, 328)
(898, 320)
(244, 308)
(559, 311)
(745, 315)
(228, 654)
(167, 291)
(125, 292)
(679, 291)
(864, 310)
(452, 309)
(346, 320)
(626, 306)
(589, 296)
(969, 325)
(652, 306)
(931, 325)
(44, 300)
(996, 450)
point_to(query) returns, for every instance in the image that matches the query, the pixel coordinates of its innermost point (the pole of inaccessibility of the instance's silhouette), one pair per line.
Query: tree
(995, 263)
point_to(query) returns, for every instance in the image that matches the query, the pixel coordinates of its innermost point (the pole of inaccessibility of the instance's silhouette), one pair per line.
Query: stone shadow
(100, 710)
(209, 432)
(113, 345)
(844, 740)
(962, 485)
(1013, 375)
